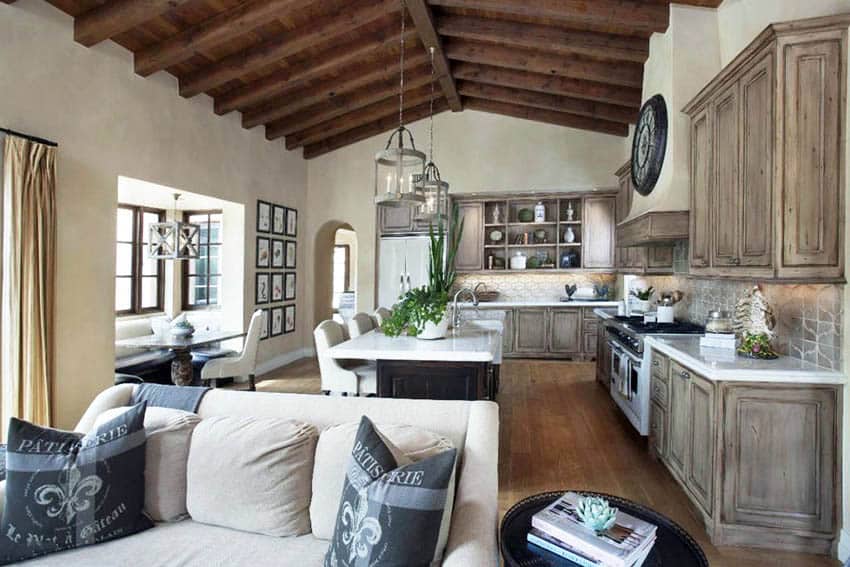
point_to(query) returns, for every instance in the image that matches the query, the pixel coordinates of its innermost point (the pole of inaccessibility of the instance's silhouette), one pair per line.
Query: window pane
(123, 294)
(215, 228)
(150, 266)
(148, 220)
(215, 289)
(124, 226)
(123, 259)
(199, 266)
(197, 290)
(149, 295)
(215, 259)
(339, 264)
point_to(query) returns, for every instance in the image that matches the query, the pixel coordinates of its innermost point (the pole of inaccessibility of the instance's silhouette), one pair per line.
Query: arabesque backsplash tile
(533, 286)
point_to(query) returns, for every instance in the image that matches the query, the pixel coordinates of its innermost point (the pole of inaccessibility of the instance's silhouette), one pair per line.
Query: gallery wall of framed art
(275, 283)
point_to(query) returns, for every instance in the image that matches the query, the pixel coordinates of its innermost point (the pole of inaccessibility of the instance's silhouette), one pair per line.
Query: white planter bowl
(433, 332)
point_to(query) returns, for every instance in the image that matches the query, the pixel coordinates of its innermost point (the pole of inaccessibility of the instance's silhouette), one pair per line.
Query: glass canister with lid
(719, 322)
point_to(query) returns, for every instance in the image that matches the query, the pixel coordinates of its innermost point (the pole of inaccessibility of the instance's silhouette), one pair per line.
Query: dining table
(181, 346)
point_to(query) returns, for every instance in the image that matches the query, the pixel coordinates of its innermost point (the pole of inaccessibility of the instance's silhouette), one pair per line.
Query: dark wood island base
(437, 380)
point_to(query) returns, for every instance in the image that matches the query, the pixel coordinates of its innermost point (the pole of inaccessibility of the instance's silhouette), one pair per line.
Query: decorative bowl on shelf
(596, 514)
(496, 235)
(539, 236)
(525, 215)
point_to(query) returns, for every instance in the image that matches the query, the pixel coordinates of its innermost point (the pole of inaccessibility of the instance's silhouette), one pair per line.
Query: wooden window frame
(185, 276)
(136, 276)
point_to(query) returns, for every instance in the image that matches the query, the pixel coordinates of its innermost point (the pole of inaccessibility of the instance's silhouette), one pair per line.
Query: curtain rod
(28, 137)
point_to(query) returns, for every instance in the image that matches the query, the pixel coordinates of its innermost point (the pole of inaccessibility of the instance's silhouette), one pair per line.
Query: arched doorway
(335, 271)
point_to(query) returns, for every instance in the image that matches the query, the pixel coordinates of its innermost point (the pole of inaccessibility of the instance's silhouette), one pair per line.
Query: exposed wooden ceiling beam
(423, 19)
(378, 127)
(548, 116)
(601, 92)
(546, 38)
(332, 89)
(317, 32)
(623, 73)
(117, 16)
(8, 1)
(298, 74)
(218, 29)
(366, 115)
(558, 103)
(631, 15)
(344, 104)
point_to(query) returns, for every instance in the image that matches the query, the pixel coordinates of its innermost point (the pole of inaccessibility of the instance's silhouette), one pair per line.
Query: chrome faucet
(457, 320)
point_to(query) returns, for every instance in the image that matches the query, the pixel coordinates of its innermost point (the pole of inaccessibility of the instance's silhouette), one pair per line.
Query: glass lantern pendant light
(399, 168)
(174, 240)
(436, 191)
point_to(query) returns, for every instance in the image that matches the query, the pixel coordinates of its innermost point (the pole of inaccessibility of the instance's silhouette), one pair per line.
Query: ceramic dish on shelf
(496, 235)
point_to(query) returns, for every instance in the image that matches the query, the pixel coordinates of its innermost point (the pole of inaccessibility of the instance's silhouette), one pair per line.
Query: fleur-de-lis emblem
(73, 493)
(361, 531)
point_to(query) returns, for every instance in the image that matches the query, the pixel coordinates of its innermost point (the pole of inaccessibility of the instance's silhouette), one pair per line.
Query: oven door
(618, 362)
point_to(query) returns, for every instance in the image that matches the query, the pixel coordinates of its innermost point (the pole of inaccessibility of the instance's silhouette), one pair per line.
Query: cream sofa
(473, 427)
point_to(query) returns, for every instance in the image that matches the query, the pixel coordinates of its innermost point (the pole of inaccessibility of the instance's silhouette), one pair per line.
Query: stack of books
(718, 340)
(558, 529)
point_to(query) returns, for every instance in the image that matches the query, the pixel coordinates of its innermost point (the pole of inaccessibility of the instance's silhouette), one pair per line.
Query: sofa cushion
(65, 490)
(252, 474)
(391, 515)
(169, 433)
(332, 454)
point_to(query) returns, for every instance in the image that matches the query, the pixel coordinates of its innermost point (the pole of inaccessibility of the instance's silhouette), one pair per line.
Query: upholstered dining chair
(350, 377)
(240, 365)
(360, 324)
(382, 314)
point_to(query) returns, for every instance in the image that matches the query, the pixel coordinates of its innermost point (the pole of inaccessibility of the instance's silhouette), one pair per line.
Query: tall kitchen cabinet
(767, 157)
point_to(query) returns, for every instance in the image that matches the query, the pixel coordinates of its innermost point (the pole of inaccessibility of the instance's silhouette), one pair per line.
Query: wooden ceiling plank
(632, 15)
(345, 104)
(548, 116)
(423, 20)
(297, 75)
(600, 92)
(369, 130)
(546, 38)
(331, 90)
(118, 16)
(623, 73)
(559, 103)
(366, 115)
(319, 31)
(218, 29)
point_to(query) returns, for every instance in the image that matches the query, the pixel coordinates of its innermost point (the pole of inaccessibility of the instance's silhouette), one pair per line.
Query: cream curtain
(26, 304)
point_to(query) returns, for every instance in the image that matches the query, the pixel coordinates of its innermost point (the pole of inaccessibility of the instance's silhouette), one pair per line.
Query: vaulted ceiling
(324, 73)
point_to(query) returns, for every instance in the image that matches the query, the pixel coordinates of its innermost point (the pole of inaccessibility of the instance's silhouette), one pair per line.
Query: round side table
(673, 546)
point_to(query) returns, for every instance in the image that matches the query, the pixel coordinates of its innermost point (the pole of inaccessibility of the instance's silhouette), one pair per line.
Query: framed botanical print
(278, 219)
(277, 321)
(289, 319)
(264, 216)
(290, 255)
(277, 287)
(264, 325)
(263, 252)
(278, 253)
(261, 288)
(289, 286)
(291, 222)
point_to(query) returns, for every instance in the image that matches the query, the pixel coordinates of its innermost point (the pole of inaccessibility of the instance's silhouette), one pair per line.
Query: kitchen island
(463, 366)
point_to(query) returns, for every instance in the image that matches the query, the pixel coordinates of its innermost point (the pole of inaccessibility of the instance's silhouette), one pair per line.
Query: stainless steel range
(630, 363)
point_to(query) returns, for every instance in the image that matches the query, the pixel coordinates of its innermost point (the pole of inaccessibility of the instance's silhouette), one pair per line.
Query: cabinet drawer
(658, 390)
(660, 365)
(657, 429)
(590, 326)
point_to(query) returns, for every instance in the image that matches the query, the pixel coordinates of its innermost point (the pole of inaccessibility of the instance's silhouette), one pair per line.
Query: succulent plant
(596, 514)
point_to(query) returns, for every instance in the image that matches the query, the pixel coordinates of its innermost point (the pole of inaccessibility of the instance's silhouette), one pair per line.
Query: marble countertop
(474, 342)
(541, 303)
(717, 364)
(606, 313)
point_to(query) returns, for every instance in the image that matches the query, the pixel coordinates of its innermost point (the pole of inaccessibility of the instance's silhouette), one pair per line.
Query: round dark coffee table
(674, 547)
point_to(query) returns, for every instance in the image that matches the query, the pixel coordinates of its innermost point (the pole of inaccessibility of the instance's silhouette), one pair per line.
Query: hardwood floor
(560, 430)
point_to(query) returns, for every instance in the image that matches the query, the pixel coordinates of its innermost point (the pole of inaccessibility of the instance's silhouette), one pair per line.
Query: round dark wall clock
(649, 144)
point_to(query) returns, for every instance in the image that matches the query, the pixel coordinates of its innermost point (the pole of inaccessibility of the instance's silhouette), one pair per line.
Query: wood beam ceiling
(549, 39)
(423, 19)
(117, 16)
(548, 116)
(629, 16)
(7, 1)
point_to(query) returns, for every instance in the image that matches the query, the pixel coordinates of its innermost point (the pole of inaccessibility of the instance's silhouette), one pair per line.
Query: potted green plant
(423, 312)
(642, 298)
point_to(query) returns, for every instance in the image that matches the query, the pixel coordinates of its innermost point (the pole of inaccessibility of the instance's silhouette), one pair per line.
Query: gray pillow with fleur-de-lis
(66, 490)
(390, 515)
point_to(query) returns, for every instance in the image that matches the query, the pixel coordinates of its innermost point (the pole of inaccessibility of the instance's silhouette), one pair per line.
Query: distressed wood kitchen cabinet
(759, 460)
(767, 158)
(554, 332)
(565, 331)
(470, 252)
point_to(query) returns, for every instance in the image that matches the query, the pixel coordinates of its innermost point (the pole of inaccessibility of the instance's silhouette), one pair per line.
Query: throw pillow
(251, 474)
(413, 443)
(390, 515)
(66, 490)
(169, 432)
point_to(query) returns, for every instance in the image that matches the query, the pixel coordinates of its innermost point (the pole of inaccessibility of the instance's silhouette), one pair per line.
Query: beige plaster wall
(110, 122)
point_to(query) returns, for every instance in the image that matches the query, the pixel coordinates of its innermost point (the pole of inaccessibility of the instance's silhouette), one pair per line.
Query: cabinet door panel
(700, 467)
(395, 220)
(470, 252)
(565, 331)
(603, 358)
(677, 443)
(757, 164)
(598, 232)
(726, 194)
(508, 333)
(531, 331)
(659, 259)
(812, 200)
(701, 185)
(657, 429)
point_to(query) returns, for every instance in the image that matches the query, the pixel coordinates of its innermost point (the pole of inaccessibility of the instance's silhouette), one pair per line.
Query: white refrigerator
(402, 266)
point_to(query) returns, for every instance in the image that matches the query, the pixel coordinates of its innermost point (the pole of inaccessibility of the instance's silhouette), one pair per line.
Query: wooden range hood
(653, 228)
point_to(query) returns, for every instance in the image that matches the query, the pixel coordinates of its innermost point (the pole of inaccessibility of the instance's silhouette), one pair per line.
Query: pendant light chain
(431, 142)
(401, 81)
